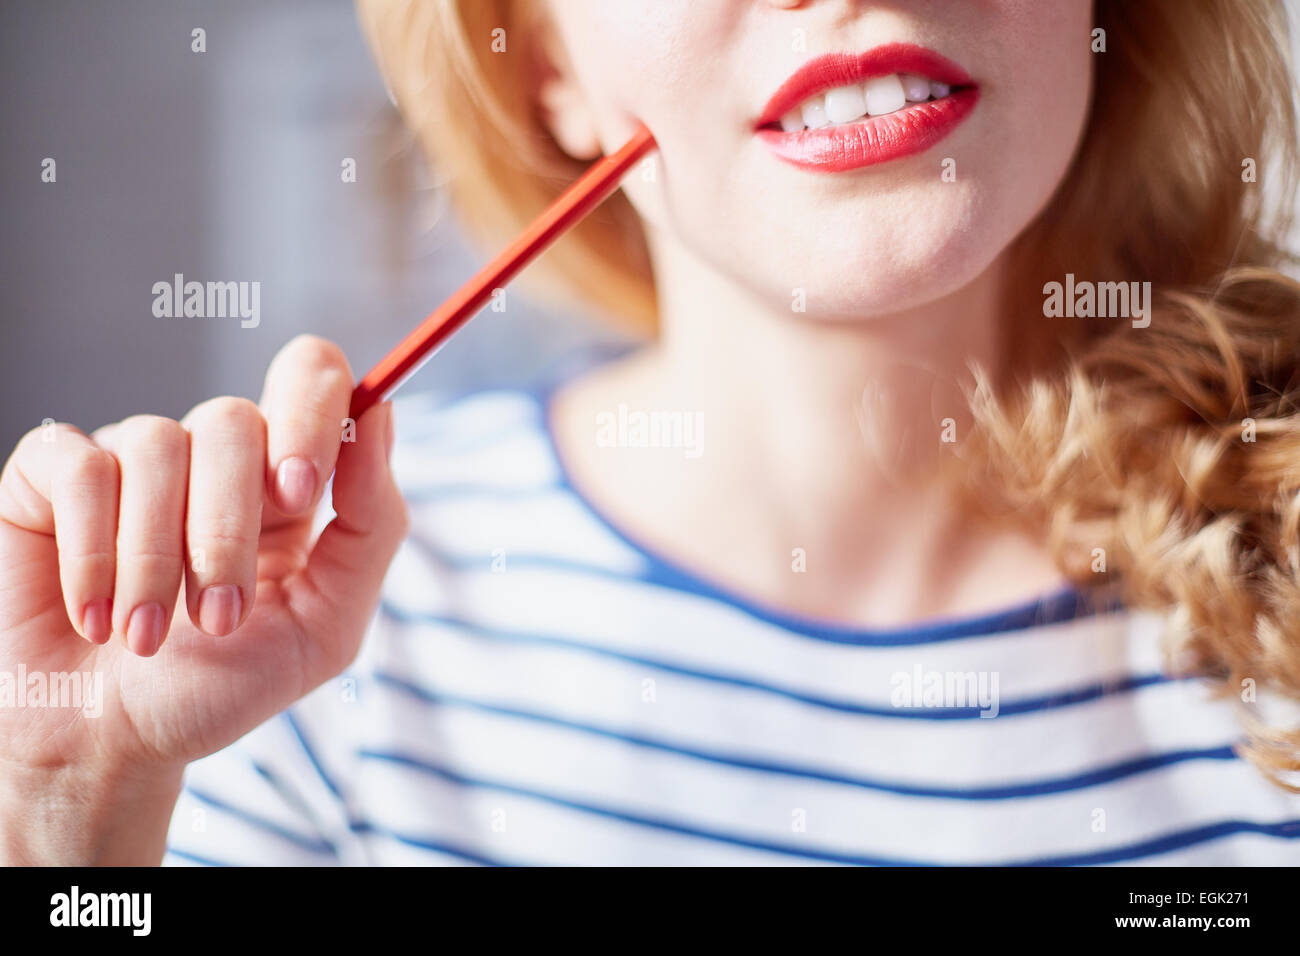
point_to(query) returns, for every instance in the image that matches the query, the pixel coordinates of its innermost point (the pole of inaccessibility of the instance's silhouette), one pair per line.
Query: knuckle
(223, 534)
(151, 545)
(45, 433)
(144, 434)
(312, 416)
(38, 440)
(332, 381)
(88, 559)
(227, 413)
(28, 439)
(103, 435)
(320, 354)
(87, 469)
(151, 559)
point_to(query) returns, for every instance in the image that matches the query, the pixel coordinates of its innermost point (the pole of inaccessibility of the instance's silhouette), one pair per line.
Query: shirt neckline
(1066, 603)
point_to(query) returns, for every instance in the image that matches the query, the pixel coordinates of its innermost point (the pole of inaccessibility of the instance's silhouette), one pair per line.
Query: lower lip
(875, 139)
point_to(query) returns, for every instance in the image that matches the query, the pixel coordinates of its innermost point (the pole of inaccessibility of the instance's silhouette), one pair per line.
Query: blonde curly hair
(1173, 450)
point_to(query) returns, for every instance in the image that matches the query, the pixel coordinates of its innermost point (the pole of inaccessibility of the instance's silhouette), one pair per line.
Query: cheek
(1038, 97)
(660, 62)
(650, 60)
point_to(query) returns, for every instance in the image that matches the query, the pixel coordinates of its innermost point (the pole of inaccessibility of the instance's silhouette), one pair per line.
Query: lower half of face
(798, 149)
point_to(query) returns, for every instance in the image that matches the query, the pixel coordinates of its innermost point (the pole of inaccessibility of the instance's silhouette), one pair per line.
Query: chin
(864, 282)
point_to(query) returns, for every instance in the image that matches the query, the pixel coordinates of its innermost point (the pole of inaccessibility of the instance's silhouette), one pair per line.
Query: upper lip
(830, 70)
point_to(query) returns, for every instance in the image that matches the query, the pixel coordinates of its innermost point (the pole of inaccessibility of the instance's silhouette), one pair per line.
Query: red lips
(874, 139)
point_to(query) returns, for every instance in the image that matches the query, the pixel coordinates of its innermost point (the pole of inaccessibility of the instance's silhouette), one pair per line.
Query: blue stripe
(293, 800)
(356, 826)
(1178, 840)
(1079, 781)
(1065, 605)
(448, 849)
(1066, 698)
(311, 754)
(448, 562)
(450, 776)
(1285, 830)
(201, 860)
(297, 839)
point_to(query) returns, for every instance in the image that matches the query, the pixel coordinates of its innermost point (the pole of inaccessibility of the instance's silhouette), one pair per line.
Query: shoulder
(490, 438)
(482, 478)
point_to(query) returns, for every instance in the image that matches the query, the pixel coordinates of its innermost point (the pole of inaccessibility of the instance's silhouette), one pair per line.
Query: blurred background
(222, 166)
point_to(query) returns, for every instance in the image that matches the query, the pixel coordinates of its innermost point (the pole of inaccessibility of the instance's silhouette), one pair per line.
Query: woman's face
(868, 216)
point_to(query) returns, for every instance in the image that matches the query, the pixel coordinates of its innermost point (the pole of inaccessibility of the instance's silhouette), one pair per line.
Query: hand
(97, 534)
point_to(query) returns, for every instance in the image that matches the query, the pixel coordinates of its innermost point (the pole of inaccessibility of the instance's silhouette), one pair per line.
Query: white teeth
(814, 113)
(845, 104)
(917, 88)
(876, 97)
(884, 95)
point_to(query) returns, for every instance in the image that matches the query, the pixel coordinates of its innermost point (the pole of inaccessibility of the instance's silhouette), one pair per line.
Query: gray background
(221, 166)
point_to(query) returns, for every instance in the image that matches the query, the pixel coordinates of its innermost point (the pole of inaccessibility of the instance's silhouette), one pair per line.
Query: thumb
(339, 587)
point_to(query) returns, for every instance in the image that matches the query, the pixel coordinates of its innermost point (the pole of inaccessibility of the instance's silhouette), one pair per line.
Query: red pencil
(567, 211)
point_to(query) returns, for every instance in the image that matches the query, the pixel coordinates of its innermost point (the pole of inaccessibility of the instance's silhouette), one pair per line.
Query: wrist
(74, 816)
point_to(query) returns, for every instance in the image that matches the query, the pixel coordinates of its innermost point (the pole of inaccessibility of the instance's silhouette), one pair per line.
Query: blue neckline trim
(1065, 604)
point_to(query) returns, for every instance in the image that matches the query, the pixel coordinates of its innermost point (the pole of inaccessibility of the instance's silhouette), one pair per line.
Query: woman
(815, 576)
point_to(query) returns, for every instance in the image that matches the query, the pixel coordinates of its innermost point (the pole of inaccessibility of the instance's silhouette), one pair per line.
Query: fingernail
(219, 609)
(295, 485)
(97, 621)
(144, 629)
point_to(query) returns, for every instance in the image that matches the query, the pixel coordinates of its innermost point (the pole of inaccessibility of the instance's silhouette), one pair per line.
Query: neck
(825, 436)
(877, 396)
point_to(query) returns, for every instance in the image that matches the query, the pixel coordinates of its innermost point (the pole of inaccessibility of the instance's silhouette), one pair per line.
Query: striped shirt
(538, 687)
